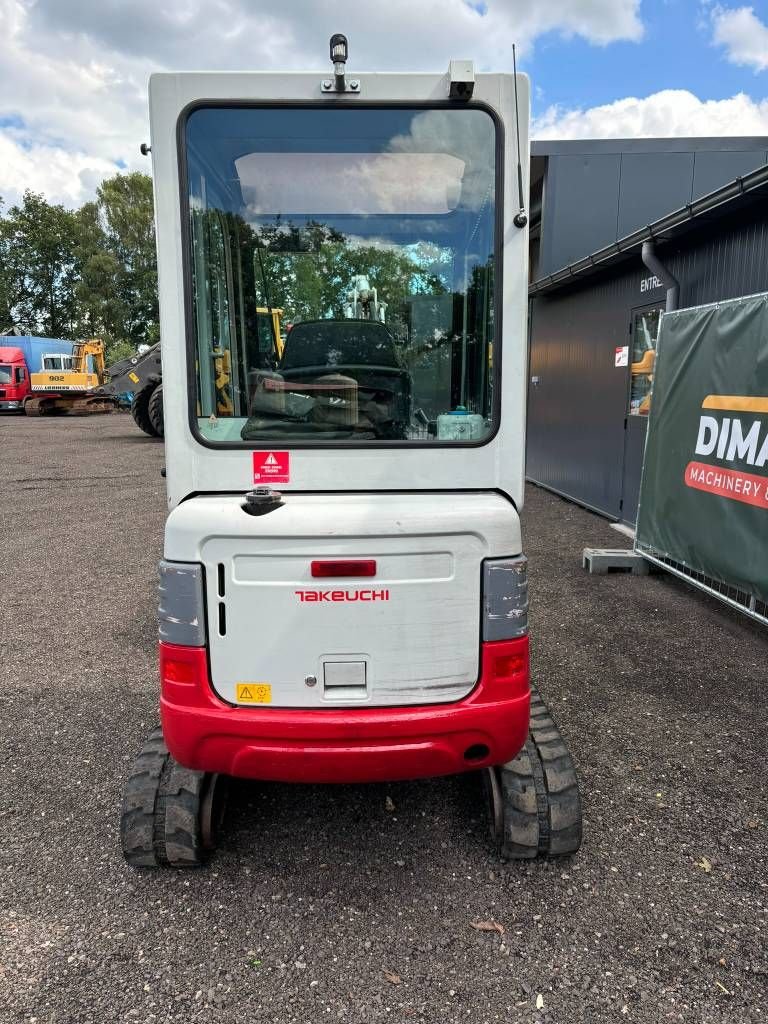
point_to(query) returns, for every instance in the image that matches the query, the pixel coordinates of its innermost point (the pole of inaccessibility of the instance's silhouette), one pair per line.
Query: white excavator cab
(381, 221)
(343, 590)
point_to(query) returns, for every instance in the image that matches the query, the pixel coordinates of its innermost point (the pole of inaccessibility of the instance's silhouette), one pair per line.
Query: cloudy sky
(73, 72)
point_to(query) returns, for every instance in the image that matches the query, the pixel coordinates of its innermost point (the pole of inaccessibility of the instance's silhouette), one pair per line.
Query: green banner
(704, 492)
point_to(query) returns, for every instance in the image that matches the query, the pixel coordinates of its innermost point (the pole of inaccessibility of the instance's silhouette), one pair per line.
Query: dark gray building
(620, 229)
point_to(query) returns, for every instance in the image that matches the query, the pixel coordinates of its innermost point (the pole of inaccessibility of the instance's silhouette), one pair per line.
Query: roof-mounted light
(339, 52)
(339, 48)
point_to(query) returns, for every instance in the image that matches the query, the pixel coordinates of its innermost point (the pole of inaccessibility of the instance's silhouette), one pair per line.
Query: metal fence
(738, 599)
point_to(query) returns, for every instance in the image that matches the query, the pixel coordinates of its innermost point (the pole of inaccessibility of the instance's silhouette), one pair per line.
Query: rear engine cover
(408, 635)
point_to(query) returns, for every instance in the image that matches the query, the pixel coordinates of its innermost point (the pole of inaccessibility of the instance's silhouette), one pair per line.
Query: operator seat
(337, 378)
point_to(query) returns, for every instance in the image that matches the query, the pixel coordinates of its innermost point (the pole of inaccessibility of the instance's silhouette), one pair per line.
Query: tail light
(183, 666)
(505, 598)
(505, 624)
(506, 666)
(181, 614)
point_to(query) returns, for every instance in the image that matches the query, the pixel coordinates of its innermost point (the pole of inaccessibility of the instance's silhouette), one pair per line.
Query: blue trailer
(36, 349)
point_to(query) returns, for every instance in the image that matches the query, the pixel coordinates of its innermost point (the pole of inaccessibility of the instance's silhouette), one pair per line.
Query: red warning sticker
(271, 468)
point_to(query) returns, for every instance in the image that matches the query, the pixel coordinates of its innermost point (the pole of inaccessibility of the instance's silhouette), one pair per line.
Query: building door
(644, 332)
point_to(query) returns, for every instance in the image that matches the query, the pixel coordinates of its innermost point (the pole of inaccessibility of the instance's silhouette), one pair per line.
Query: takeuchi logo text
(739, 437)
(342, 595)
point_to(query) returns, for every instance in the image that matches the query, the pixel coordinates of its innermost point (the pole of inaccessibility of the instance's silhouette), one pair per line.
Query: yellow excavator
(72, 392)
(144, 375)
(644, 368)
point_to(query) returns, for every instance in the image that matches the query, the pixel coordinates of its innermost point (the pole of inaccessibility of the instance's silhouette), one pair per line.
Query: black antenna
(521, 217)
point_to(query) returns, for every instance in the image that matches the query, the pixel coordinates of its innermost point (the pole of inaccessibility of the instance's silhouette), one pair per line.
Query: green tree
(100, 312)
(118, 287)
(90, 272)
(40, 267)
(6, 312)
(308, 271)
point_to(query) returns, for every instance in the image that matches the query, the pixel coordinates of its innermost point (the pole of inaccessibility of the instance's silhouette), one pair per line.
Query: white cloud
(73, 73)
(394, 35)
(743, 35)
(61, 175)
(669, 113)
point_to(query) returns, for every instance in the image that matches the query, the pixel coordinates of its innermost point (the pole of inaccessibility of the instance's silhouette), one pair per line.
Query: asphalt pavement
(357, 903)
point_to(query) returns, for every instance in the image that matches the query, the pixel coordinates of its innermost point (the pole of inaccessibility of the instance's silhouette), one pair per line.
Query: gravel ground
(318, 892)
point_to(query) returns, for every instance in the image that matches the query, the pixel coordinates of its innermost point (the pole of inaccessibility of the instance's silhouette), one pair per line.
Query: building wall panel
(711, 170)
(596, 191)
(651, 185)
(577, 396)
(582, 202)
(578, 405)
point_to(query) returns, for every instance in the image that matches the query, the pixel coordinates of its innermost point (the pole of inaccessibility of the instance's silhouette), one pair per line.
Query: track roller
(170, 814)
(534, 802)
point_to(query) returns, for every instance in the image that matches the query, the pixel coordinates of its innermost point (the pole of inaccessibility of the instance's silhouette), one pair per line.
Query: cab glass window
(645, 332)
(342, 267)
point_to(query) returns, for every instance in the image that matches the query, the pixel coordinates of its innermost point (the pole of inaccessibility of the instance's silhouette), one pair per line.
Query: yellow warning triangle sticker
(253, 693)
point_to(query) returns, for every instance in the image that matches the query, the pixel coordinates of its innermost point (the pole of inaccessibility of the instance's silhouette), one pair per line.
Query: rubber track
(179, 807)
(542, 806)
(137, 821)
(159, 824)
(140, 409)
(155, 410)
